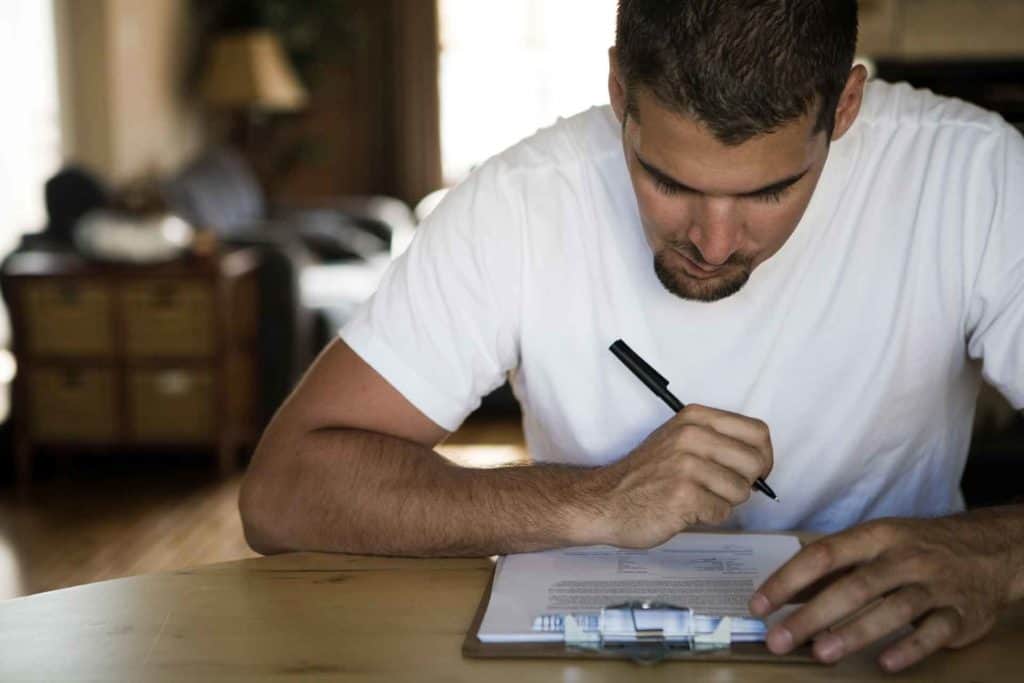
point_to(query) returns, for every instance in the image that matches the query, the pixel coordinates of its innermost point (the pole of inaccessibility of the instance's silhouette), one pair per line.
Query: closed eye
(667, 188)
(774, 196)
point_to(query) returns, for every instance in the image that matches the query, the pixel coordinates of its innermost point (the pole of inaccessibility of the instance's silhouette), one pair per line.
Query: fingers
(888, 615)
(721, 481)
(709, 444)
(935, 631)
(844, 598)
(747, 430)
(814, 561)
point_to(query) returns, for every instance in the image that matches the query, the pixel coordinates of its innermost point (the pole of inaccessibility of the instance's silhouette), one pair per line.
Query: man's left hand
(949, 577)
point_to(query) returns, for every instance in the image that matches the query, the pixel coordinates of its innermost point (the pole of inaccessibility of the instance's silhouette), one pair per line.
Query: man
(835, 264)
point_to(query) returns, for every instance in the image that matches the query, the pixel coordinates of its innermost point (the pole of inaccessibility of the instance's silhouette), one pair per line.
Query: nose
(717, 230)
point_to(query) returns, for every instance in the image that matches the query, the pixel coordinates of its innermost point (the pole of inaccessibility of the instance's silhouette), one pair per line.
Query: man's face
(712, 213)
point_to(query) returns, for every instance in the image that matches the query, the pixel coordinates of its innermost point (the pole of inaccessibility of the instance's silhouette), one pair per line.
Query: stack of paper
(712, 574)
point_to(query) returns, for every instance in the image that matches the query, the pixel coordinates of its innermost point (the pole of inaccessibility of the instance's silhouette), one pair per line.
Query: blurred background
(195, 194)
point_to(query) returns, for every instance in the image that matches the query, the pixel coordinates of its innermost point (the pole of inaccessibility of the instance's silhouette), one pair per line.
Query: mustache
(689, 249)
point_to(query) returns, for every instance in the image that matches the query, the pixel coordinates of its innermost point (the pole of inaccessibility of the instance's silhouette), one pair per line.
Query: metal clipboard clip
(647, 631)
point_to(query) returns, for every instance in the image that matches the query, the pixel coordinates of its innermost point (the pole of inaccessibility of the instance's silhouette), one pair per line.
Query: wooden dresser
(133, 358)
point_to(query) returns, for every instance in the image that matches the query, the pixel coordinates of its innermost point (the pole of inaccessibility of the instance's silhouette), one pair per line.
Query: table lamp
(248, 77)
(250, 71)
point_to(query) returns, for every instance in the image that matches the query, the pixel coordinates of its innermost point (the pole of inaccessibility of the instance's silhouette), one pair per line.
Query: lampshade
(250, 70)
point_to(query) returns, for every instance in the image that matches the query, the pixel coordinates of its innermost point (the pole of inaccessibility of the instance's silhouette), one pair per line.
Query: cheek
(768, 226)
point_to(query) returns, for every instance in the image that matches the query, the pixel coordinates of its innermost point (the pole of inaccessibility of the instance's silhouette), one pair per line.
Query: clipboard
(474, 648)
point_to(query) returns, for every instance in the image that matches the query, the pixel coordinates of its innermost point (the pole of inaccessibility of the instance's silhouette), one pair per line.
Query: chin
(684, 286)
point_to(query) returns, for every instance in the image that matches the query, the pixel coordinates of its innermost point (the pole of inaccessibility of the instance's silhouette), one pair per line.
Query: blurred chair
(320, 259)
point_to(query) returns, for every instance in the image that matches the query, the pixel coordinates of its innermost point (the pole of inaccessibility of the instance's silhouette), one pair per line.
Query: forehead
(688, 151)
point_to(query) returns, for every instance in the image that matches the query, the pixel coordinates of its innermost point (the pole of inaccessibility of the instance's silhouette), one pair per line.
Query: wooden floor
(97, 520)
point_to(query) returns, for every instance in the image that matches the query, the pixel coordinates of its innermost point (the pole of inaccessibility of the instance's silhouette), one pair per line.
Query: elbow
(260, 520)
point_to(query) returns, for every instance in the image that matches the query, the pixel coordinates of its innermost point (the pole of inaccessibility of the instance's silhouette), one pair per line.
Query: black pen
(659, 385)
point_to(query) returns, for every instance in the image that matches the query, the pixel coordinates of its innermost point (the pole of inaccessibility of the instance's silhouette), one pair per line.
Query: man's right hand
(693, 469)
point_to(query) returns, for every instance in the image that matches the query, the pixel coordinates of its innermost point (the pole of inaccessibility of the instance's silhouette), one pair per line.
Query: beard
(732, 275)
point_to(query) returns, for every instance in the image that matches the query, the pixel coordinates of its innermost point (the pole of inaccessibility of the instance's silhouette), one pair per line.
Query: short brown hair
(741, 67)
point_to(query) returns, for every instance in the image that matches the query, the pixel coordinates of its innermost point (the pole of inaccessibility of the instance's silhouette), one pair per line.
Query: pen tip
(776, 499)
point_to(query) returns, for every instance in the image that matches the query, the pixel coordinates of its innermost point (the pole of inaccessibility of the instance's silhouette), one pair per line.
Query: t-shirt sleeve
(442, 327)
(995, 320)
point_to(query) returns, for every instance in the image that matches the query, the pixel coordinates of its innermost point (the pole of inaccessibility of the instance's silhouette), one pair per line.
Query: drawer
(243, 316)
(169, 318)
(172, 405)
(242, 387)
(67, 318)
(72, 405)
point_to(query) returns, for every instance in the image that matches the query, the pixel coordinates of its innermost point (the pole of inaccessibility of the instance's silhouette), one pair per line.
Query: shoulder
(585, 138)
(928, 139)
(900, 107)
(541, 175)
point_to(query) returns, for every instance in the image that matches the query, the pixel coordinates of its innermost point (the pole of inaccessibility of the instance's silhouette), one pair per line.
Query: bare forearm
(362, 492)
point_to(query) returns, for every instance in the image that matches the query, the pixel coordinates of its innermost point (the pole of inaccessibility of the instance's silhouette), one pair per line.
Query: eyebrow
(772, 188)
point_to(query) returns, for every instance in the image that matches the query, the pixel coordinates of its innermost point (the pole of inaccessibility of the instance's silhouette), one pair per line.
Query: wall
(121, 64)
(126, 115)
(373, 113)
(942, 28)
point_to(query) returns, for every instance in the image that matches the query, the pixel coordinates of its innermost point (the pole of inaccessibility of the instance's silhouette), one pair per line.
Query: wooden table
(340, 617)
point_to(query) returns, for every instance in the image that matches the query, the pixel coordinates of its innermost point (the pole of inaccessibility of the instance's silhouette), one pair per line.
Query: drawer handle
(173, 382)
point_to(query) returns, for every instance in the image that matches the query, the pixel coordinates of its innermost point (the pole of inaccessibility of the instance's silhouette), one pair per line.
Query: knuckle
(880, 533)
(905, 609)
(857, 634)
(821, 555)
(688, 495)
(746, 465)
(918, 567)
(689, 467)
(688, 433)
(752, 471)
(932, 634)
(918, 596)
(949, 624)
(860, 587)
(693, 410)
(917, 645)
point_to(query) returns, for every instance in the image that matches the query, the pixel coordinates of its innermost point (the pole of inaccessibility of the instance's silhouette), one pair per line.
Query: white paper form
(712, 574)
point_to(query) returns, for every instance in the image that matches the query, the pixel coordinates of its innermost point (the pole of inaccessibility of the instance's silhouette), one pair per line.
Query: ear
(849, 101)
(616, 88)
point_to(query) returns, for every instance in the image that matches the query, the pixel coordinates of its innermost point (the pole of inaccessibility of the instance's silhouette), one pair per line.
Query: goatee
(735, 274)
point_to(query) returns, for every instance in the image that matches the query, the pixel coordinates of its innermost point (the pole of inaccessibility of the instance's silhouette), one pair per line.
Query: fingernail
(892, 661)
(780, 640)
(829, 647)
(759, 604)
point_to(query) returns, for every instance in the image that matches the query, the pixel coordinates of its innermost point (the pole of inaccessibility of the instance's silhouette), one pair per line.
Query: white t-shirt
(861, 342)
